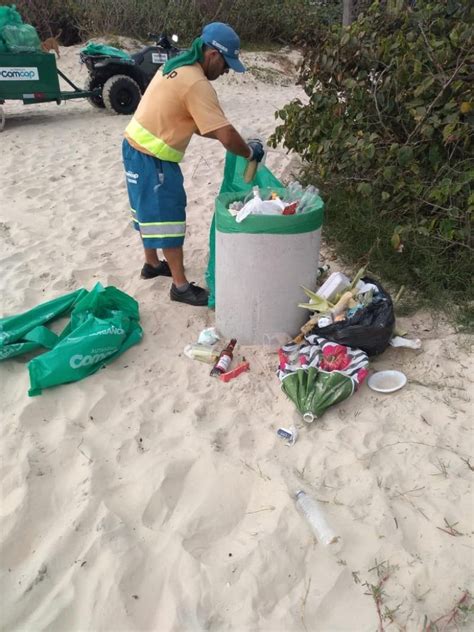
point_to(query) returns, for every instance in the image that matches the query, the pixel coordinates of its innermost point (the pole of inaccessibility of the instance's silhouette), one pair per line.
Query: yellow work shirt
(173, 108)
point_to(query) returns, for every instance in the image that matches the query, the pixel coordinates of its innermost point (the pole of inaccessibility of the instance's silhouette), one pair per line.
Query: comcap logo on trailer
(19, 74)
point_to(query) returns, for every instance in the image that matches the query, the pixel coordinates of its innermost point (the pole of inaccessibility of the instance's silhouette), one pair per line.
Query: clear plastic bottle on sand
(314, 515)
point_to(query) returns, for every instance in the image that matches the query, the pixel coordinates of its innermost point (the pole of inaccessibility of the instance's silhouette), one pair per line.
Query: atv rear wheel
(91, 84)
(121, 94)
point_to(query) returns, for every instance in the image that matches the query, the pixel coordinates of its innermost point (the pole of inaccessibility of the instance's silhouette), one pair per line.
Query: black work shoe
(150, 272)
(194, 295)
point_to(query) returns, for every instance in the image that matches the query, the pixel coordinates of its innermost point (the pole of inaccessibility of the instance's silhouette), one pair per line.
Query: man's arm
(232, 140)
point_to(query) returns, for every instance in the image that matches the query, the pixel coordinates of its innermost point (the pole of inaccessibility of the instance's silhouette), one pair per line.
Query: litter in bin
(316, 374)
(290, 434)
(235, 207)
(263, 202)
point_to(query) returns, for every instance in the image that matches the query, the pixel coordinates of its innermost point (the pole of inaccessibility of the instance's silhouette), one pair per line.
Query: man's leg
(138, 168)
(181, 290)
(174, 257)
(153, 266)
(151, 257)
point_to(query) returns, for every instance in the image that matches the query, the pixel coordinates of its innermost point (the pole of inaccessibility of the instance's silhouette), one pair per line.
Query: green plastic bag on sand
(104, 323)
(25, 332)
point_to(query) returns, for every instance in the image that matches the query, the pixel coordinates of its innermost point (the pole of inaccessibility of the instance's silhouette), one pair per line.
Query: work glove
(256, 147)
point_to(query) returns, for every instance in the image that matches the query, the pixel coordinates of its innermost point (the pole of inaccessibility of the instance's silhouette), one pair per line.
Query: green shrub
(259, 23)
(387, 132)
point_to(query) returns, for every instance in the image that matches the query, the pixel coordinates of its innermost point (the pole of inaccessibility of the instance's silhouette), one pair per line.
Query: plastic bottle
(201, 352)
(254, 192)
(250, 171)
(293, 192)
(251, 202)
(312, 511)
(307, 199)
(225, 358)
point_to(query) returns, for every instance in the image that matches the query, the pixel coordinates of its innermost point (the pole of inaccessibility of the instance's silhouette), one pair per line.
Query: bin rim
(266, 224)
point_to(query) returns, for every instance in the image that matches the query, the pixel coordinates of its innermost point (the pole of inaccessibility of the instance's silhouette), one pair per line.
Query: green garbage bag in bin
(234, 188)
(233, 182)
(104, 323)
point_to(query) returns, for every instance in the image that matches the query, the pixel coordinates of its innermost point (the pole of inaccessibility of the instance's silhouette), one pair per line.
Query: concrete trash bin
(260, 267)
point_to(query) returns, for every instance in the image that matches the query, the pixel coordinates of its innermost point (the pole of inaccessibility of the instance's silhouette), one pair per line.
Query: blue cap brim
(234, 64)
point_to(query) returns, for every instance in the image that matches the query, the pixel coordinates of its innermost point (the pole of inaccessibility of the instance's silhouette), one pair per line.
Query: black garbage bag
(369, 329)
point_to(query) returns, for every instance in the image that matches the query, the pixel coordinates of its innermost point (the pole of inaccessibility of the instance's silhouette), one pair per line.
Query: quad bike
(117, 83)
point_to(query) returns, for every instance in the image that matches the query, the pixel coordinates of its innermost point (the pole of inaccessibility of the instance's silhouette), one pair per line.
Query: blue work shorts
(157, 198)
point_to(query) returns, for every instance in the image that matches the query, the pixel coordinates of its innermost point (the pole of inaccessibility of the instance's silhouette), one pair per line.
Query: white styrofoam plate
(387, 381)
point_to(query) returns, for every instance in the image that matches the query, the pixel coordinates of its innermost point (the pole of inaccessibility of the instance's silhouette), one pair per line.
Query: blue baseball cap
(224, 39)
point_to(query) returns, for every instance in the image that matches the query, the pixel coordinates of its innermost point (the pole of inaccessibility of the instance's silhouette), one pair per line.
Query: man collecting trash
(177, 104)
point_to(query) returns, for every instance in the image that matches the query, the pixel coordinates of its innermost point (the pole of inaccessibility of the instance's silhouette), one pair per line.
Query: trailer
(34, 78)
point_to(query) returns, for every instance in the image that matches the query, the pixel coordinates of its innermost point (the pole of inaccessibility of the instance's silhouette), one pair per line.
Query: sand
(153, 497)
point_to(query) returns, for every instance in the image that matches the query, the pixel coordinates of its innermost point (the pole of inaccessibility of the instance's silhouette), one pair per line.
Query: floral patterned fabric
(325, 356)
(317, 374)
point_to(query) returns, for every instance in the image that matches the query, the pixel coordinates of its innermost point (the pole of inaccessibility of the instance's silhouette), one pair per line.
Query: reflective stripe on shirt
(151, 143)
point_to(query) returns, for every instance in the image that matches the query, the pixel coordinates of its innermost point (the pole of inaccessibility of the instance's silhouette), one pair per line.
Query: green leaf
(364, 188)
(434, 155)
(395, 241)
(448, 130)
(370, 151)
(405, 155)
(424, 85)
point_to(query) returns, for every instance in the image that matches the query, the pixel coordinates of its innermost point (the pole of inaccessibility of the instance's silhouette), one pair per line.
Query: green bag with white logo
(25, 332)
(104, 323)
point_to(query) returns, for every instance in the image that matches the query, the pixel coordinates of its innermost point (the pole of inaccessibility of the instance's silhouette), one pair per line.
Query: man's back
(175, 106)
